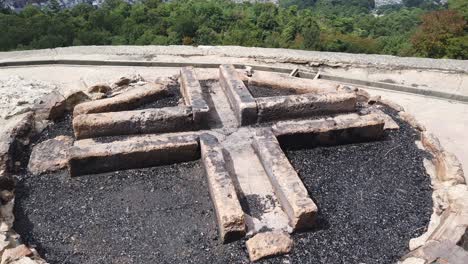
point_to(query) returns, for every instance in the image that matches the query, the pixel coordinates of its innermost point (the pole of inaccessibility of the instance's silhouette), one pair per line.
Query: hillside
(425, 29)
(20, 4)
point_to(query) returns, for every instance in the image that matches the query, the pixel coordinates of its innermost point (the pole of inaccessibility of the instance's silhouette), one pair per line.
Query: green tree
(437, 32)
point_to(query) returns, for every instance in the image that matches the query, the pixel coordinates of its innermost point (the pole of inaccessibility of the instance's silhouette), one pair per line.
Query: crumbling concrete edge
(13, 142)
(449, 221)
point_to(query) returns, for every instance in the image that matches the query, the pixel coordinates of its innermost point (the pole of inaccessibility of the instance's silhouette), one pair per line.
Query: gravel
(372, 198)
(173, 99)
(264, 91)
(160, 214)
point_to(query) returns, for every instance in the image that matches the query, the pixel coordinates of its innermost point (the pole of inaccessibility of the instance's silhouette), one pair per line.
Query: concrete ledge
(229, 214)
(339, 130)
(193, 95)
(124, 101)
(288, 187)
(240, 99)
(300, 85)
(136, 152)
(295, 106)
(146, 121)
(399, 88)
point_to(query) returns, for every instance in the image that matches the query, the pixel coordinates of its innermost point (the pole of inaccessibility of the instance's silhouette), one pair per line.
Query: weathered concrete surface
(260, 54)
(330, 131)
(229, 214)
(268, 244)
(134, 152)
(50, 155)
(304, 105)
(124, 101)
(284, 81)
(240, 99)
(146, 121)
(193, 95)
(288, 186)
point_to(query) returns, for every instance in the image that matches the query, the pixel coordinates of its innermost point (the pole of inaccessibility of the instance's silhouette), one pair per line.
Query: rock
(391, 104)
(124, 81)
(362, 95)
(419, 241)
(54, 105)
(268, 244)
(4, 242)
(7, 218)
(374, 99)
(441, 251)
(7, 189)
(50, 155)
(97, 96)
(74, 98)
(14, 136)
(12, 254)
(99, 88)
(50, 107)
(448, 167)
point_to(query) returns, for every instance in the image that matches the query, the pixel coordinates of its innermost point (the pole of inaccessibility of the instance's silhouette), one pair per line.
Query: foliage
(328, 25)
(441, 34)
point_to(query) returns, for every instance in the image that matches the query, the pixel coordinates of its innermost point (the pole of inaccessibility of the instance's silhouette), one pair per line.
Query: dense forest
(415, 28)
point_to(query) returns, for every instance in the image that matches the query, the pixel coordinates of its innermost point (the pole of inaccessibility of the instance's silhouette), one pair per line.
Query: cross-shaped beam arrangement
(242, 156)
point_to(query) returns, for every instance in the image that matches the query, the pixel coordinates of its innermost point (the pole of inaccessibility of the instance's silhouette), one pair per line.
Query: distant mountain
(20, 4)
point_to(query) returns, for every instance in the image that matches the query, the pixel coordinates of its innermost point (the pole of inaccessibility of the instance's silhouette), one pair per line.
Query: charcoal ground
(265, 91)
(373, 197)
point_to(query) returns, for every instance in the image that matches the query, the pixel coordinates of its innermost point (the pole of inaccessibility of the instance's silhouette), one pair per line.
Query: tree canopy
(328, 25)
